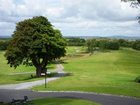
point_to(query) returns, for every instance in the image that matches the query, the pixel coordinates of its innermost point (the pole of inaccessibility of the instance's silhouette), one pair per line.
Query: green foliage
(136, 45)
(137, 79)
(102, 44)
(35, 41)
(125, 43)
(112, 45)
(75, 42)
(4, 45)
(91, 45)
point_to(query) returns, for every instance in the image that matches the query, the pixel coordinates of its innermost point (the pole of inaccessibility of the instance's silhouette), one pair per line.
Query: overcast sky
(73, 17)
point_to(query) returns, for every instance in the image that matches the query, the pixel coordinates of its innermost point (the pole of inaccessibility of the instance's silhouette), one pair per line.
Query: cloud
(72, 16)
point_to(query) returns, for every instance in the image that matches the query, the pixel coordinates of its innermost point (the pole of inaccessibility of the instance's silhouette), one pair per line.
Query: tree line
(93, 44)
(103, 43)
(111, 44)
(71, 41)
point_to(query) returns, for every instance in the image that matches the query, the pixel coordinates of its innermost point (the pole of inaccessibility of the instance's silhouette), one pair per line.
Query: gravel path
(27, 85)
(8, 95)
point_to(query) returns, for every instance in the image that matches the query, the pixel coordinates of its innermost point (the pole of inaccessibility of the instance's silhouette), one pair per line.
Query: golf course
(110, 72)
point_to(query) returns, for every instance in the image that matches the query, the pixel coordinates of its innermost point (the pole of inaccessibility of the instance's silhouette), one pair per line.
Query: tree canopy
(35, 41)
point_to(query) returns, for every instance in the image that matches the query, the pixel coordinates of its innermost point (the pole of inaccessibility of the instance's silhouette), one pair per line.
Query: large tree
(35, 41)
(131, 1)
(134, 3)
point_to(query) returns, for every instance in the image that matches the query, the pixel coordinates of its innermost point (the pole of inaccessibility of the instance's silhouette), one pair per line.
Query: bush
(137, 79)
(136, 45)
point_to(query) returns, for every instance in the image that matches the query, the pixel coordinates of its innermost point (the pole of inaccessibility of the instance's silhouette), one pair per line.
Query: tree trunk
(40, 67)
(38, 71)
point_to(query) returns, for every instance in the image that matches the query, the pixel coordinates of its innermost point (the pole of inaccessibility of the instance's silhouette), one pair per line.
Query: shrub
(136, 45)
(137, 79)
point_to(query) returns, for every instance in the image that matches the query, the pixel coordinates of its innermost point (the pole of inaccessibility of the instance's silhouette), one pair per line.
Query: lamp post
(46, 78)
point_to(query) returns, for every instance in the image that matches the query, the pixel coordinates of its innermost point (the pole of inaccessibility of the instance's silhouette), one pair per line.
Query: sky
(73, 17)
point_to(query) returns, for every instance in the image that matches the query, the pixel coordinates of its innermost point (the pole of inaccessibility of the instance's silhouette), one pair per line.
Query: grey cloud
(86, 15)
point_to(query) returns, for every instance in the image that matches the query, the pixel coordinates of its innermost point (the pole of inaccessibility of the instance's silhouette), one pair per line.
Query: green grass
(112, 72)
(8, 75)
(75, 50)
(62, 101)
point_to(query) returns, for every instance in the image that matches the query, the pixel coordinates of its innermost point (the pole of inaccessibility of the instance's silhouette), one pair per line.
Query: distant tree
(102, 44)
(108, 44)
(91, 45)
(4, 45)
(136, 45)
(125, 43)
(75, 41)
(133, 2)
(112, 45)
(35, 41)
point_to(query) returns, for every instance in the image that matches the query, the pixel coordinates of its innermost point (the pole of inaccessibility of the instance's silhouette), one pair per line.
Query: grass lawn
(109, 72)
(8, 75)
(75, 50)
(62, 101)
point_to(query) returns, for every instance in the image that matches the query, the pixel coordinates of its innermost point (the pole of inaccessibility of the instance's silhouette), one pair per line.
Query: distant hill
(112, 37)
(126, 37)
(89, 37)
(5, 37)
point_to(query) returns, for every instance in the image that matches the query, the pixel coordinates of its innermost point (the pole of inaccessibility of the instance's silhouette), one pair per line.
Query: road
(103, 99)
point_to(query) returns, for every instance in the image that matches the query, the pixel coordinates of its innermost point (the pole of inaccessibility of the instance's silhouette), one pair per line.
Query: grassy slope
(62, 101)
(5, 71)
(112, 72)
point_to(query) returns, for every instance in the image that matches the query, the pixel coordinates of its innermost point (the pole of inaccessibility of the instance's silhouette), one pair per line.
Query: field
(110, 72)
(10, 75)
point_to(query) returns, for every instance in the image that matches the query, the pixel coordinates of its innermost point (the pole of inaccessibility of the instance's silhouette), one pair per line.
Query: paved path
(27, 85)
(8, 95)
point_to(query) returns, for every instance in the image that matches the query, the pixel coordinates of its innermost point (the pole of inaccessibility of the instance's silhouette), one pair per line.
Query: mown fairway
(10, 75)
(111, 72)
